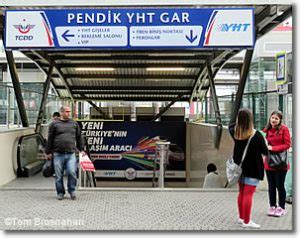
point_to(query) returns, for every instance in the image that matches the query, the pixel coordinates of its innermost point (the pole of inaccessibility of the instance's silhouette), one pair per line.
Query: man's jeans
(62, 161)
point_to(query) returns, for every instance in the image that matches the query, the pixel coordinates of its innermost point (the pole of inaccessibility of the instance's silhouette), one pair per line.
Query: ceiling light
(95, 69)
(90, 54)
(95, 79)
(171, 54)
(166, 69)
(163, 80)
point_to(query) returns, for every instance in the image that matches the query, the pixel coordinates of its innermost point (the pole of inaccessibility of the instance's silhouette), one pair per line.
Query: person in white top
(212, 179)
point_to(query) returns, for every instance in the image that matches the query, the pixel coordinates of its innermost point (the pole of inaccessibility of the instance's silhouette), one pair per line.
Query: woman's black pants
(276, 182)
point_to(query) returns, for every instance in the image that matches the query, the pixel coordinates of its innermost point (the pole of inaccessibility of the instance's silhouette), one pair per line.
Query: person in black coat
(253, 168)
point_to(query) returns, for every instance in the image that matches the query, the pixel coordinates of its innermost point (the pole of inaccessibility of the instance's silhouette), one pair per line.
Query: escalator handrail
(20, 143)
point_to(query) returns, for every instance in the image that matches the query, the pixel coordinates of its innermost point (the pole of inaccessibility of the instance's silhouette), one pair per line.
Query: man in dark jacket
(64, 137)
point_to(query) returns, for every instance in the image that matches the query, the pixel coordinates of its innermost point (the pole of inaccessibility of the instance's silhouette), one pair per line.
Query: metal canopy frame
(166, 108)
(130, 66)
(93, 3)
(17, 88)
(130, 81)
(44, 99)
(212, 85)
(242, 83)
(98, 109)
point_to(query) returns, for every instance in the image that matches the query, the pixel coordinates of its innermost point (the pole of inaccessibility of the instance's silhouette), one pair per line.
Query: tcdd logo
(24, 28)
(233, 27)
(24, 38)
(130, 173)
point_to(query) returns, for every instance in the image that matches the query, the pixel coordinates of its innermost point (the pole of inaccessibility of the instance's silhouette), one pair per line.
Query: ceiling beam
(268, 27)
(134, 99)
(263, 14)
(127, 56)
(131, 88)
(116, 92)
(168, 64)
(128, 76)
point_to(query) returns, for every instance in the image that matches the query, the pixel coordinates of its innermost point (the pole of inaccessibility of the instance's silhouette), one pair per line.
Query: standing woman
(253, 168)
(279, 140)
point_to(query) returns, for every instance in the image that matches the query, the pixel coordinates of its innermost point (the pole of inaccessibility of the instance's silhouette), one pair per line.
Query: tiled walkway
(104, 209)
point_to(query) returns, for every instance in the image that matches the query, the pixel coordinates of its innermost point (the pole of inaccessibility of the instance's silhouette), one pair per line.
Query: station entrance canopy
(137, 54)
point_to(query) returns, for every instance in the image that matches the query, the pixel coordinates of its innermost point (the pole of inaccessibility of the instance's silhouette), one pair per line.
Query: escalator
(30, 155)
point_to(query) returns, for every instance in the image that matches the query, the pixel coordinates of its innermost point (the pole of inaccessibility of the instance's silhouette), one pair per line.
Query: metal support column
(79, 110)
(8, 107)
(213, 93)
(166, 108)
(280, 103)
(206, 109)
(44, 100)
(253, 108)
(17, 88)
(242, 83)
(214, 97)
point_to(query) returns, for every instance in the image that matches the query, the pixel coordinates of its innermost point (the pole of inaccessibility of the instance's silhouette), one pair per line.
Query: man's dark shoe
(60, 197)
(73, 196)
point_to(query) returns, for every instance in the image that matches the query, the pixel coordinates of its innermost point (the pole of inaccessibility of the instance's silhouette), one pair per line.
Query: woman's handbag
(278, 160)
(233, 170)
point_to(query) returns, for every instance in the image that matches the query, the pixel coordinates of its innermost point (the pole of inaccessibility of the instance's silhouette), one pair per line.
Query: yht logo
(24, 27)
(110, 173)
(233, 27)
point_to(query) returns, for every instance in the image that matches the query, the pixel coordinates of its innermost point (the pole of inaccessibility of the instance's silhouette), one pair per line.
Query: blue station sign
(129, 28)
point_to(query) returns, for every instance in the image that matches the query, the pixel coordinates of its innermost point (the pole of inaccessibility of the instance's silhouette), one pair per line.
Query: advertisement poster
(127, 149)
(280, 68)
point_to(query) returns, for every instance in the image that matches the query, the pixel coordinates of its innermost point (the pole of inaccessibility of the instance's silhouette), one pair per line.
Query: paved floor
(102, 209)
(31, 204)
(38, 181)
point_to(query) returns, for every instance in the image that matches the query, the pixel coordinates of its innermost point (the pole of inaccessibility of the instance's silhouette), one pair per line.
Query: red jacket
(280, 141)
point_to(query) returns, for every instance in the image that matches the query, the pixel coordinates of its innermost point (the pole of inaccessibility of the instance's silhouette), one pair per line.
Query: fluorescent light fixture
(96, 79)
(171, 54)
(163, 80)
(94, 69)
(165, 69)
(90, 54)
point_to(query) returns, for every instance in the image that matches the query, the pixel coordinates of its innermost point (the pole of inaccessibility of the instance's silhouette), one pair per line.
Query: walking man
(63, 137)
